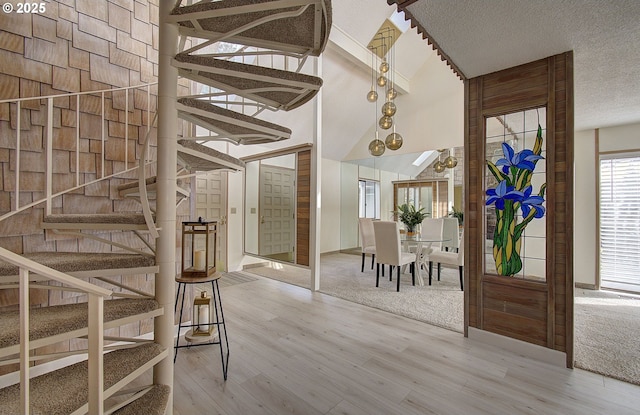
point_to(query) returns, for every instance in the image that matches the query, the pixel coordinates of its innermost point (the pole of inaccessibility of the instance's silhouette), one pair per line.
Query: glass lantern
(202, 315)
(199, 248)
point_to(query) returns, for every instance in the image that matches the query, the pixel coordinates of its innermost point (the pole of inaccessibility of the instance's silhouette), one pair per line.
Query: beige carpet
(607, 333)
(607, 325)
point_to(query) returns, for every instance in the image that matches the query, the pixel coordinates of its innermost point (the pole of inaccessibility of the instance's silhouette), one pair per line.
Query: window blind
(620, 223)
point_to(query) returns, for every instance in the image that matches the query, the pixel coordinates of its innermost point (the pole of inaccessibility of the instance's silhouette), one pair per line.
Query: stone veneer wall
(76, 45)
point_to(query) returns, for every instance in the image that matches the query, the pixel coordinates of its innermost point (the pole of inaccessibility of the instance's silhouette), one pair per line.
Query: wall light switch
(233, 210)
(253, 210)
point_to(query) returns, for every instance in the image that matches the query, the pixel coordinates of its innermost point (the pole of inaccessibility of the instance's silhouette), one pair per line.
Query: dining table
(420, 241)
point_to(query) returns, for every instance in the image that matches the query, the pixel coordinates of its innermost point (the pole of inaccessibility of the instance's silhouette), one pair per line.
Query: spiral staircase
(235, 84)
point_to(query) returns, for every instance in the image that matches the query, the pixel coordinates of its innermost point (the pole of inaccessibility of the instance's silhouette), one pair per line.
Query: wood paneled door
(519, 203)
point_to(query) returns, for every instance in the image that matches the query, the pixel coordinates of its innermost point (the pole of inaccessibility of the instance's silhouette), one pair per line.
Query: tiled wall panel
(76, 45)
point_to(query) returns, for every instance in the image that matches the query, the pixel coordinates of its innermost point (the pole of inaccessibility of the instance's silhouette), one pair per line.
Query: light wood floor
(297, 352)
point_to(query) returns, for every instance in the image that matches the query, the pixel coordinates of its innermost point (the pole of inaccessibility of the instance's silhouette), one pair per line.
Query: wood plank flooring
(297, 352)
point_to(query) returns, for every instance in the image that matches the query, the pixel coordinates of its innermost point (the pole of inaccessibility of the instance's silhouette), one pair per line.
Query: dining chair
(389, 252)
(367, 240)
(432, 228)
(451, 258)
(450, 232)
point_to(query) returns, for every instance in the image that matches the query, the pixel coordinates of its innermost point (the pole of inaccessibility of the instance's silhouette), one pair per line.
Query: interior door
(211, 205)
(277, 207)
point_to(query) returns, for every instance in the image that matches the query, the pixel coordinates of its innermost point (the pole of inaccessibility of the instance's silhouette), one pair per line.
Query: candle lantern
(199, 248)
(202, 315)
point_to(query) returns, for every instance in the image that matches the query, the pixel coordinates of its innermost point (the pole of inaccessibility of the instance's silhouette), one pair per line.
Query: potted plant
(458, 214)
(411, 217)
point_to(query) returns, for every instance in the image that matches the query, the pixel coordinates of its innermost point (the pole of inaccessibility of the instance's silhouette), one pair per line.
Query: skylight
(399, 20)
(422, 157)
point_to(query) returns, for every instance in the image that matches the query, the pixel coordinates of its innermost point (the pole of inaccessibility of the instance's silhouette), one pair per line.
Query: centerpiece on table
(411, 217)
(514, 193)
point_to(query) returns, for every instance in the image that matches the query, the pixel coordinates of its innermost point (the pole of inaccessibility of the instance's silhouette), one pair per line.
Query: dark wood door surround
(540, 313)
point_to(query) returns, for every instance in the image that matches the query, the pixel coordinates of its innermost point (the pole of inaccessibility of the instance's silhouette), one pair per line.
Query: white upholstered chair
(451, 232)
(367, 240)
(389, 252)
(431, 228)
(451, 258)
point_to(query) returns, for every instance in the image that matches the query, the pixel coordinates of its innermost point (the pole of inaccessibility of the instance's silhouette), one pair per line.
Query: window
(369, 199)
(620, 221)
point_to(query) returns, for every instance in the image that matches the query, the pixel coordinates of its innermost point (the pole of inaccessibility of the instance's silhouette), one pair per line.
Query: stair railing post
(49, 174)
(126, 131)
(24, 340)
(78, 140)
(96, 360)
(18, 127)
(102, 131)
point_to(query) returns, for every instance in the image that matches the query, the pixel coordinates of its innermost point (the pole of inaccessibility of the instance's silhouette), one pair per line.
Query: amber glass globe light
(450, 162)
(389, 108)
(382, 80)
(372, 96)
(439, 166)
(391, 94)
(385, 122)
(393, 141)
(376, 147)
(384, 67)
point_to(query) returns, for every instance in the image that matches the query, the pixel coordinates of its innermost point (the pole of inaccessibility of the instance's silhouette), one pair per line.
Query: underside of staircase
(94, 375)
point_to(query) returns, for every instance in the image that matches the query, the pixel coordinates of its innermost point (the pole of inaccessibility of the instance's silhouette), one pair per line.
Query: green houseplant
(458, 214)
(410, 216)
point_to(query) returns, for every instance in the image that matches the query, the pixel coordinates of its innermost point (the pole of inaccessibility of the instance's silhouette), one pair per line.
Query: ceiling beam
(402, 7)
(404, 4)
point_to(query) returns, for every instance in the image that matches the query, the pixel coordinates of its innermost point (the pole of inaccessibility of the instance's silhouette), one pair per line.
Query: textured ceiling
(481, 37)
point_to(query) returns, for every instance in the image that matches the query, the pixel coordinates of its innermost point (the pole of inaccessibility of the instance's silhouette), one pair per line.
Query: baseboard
(255, 265)
(532, 351)
(585, 286)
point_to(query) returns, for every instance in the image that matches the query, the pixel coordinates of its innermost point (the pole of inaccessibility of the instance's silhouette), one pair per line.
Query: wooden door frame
(549, 83)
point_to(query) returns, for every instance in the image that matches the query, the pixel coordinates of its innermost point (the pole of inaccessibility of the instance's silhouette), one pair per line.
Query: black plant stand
(221, 328)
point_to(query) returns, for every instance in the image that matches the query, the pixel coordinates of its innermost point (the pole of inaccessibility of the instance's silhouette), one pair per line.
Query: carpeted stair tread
(97, 218)
(65, 390)
(54, 320)
(80, 261)
(228, 123)
(287, 34)
(211, 160)
(244, 80)
(134, 184)
(153, 402)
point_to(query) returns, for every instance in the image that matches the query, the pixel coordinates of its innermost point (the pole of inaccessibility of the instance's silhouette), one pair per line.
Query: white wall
(235, 222)
(349, 206)
(423, 126)
(331, 202)
(620, 138)
(584, 234)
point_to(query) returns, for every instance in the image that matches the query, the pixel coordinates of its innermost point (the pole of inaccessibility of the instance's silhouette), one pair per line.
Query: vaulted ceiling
(478, 37)
(481, 37)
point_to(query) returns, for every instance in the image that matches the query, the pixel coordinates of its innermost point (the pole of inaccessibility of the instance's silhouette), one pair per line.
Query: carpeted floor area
(607, 325)
(607, 331)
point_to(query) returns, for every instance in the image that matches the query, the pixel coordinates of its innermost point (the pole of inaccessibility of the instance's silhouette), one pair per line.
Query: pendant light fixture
(382, 76)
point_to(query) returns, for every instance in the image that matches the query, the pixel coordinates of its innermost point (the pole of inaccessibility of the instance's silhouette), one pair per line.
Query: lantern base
(192, 337)
(194, 273)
